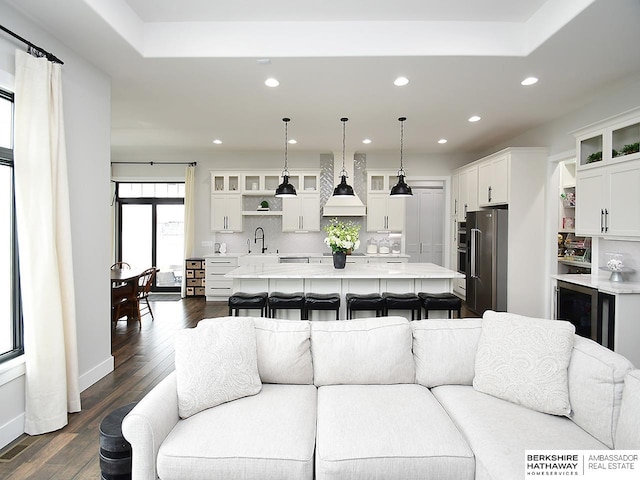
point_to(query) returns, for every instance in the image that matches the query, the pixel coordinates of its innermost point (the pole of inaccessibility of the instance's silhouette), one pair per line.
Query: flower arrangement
(342, 236)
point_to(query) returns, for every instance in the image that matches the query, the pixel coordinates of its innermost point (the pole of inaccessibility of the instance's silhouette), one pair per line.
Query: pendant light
(285, 189)
(401, 189)
(343, 189)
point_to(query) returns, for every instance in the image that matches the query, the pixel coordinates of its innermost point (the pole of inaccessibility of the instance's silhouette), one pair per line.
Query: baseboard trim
(11, 430)
(96, 373)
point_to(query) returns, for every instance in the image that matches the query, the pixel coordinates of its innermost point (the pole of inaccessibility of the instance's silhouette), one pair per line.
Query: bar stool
(402, 301)
(321, 301)
(248, 301)
(285, 301)
(364, 302)
(441, 301)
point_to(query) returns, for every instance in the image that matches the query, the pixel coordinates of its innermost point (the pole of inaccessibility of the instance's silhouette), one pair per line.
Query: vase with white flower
(342, 237)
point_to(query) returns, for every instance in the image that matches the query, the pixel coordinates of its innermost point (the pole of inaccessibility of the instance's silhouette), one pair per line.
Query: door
(479, 268)
(150, 230)
(425, 226)
(590, 201)
(484, 262)
(623, 211)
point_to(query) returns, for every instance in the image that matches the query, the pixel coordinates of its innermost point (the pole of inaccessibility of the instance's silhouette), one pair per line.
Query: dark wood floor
(143, 357)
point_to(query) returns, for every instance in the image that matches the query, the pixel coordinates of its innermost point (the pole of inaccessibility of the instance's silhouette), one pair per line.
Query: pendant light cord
(344, 121)
(402, 119)
(286, 146)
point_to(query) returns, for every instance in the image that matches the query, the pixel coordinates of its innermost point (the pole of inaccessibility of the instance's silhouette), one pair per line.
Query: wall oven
(590, 311)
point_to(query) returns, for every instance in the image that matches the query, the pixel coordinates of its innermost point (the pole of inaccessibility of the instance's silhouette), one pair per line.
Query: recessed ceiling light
(529, 81)
(217, 141)
(442, 140)
(401, 81)
(271, 82)
(293, 141)
(366, 141)
(474, 118)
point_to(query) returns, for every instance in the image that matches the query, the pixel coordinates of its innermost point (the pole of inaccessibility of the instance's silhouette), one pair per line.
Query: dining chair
(121, 266)
(121, 297)
(144, 288)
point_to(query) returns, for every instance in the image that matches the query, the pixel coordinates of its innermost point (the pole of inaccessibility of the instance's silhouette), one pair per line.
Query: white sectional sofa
(380, 398)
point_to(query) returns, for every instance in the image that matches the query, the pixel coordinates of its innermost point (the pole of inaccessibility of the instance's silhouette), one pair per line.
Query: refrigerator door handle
(474, 252)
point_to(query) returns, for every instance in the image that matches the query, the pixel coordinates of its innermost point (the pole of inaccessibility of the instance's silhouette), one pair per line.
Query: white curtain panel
(44, 242)
(189, 220)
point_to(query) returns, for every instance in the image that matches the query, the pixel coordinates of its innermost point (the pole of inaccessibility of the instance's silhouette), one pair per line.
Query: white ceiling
(184, 73)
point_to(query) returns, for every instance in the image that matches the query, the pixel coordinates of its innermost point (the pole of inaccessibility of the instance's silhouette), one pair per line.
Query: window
(11, 343)
(151, 230)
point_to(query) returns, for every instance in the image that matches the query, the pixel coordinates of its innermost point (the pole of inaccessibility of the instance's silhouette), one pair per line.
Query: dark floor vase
(339, 259)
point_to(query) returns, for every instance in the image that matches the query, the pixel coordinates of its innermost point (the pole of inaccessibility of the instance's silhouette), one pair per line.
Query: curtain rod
(50, 56)
(191, 164)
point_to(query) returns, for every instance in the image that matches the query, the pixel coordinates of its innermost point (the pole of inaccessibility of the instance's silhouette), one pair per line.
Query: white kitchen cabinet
(467, 197)
(225, 182)
(493, 181)
(226, 212)
(301, 213)
(385, 213)
(610, 141)
(217, 287)
(609, 200)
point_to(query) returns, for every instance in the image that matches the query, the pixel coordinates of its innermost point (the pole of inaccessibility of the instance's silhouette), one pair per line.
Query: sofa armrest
(148, 424)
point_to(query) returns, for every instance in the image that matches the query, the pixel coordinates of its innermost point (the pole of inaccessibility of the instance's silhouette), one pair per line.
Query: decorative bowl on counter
(615, 265)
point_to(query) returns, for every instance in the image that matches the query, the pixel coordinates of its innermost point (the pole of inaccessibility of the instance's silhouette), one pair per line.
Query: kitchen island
(354, 278)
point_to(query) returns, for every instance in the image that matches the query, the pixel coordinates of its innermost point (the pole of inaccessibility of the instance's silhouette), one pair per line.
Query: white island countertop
(319, 270)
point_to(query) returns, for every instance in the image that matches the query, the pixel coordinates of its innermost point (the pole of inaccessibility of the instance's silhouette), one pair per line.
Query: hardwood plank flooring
(143, 357)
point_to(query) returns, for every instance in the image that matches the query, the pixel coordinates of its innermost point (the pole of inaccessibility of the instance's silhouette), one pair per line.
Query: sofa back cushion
(627, 436)
(283, 349)
(362, 352)
(525, 360)
(444, 351)
(596, 382)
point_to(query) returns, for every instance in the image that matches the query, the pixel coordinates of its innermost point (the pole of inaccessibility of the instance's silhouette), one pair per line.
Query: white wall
(87, 106)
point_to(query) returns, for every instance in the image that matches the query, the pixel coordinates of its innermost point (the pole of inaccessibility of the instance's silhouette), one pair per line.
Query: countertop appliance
(486, 272)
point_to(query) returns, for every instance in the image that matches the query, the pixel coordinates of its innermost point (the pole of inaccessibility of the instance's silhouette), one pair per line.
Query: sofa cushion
(215, 363)
(499, 431)
(388, 432)
(284, 350)
(362, 352)
(525, 360)
(596, 381)
(444, 351)
(627, 436)
(267, 436)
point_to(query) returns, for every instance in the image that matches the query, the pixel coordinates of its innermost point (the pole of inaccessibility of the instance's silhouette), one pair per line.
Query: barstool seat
(441, 301)
(286, 301)
(364, 302)
(321, 301)
(249, 301)
(402, 301)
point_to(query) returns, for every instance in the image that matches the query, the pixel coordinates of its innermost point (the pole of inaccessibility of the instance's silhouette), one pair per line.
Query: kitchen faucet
(255, 238)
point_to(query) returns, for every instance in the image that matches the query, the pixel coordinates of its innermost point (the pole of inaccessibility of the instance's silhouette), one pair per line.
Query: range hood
(343, 205)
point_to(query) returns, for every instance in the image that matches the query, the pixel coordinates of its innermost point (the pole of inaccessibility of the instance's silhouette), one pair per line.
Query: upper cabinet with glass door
(225, 182)
(613, 140)
(265, 183)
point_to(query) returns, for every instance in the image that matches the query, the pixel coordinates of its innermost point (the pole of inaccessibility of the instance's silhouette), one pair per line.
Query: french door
(151, 233)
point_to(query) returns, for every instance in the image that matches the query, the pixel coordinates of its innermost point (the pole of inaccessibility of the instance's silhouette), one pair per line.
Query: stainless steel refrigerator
(487, 260)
